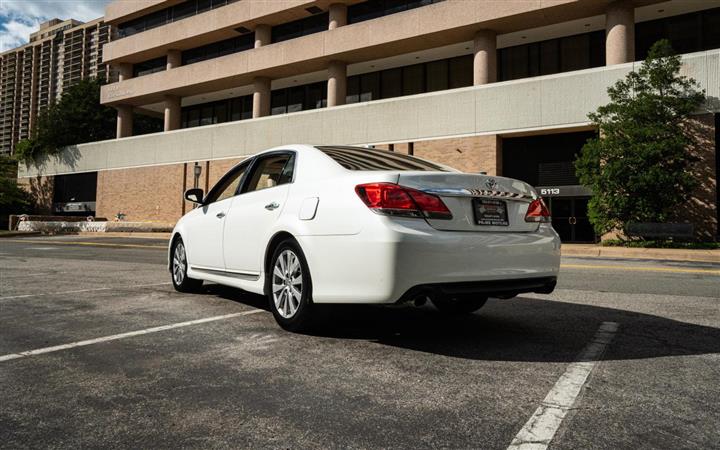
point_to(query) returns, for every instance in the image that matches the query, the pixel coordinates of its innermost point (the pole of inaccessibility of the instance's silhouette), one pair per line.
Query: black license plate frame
(490, 212)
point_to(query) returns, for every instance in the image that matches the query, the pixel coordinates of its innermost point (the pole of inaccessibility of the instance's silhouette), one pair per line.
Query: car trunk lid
(479, 203)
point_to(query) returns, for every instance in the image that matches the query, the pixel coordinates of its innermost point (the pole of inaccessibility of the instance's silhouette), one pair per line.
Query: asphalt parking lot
(97, 350)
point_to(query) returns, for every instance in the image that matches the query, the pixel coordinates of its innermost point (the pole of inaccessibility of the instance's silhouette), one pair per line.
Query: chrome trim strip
(228, 273)
(469, 192)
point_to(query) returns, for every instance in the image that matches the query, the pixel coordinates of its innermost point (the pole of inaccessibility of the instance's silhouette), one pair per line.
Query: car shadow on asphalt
(518, 329)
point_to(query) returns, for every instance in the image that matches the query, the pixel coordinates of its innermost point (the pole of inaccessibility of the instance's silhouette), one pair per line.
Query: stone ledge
(94, 227)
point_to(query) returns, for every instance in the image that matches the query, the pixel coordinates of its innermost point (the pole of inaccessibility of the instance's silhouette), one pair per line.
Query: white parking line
(115, 337)
(79, 291)
(542, 426)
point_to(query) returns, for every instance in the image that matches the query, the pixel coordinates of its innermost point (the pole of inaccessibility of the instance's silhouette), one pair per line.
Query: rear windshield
(357, 158)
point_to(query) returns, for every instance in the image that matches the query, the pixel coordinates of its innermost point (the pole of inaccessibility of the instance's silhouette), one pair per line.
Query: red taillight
(537, 212)
(396, 200)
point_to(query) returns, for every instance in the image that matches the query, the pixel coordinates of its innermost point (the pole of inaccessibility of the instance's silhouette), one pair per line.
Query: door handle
(220, 215)
(272, 206)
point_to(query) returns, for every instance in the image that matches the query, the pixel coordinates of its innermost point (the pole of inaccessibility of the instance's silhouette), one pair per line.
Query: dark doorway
(547, 162)
(74, 195)
(570, 218)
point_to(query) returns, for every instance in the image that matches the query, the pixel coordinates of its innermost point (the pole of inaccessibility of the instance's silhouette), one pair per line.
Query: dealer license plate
(490, 212)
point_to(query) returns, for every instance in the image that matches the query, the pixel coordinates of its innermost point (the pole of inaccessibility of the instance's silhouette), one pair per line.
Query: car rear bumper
(496, 288)
(390, 260)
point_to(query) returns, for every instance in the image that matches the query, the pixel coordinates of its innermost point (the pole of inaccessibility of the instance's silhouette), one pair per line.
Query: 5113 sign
(549, 191)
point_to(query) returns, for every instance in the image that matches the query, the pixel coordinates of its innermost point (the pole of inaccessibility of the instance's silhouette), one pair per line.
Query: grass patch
(661, 244)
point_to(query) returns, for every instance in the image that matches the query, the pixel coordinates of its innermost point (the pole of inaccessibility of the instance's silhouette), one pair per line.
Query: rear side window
(357, 158)
(271, 171)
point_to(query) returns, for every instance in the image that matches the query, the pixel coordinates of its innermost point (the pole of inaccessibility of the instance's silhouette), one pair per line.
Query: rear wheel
(290, 287)
(181, 281)
(459, 303)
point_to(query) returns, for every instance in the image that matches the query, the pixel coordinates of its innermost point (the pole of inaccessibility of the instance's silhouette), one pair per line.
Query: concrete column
(620, 33)
(125, 71)
(485, 62)
(338, 16)
(263, 35)
(124, 121)
(173, 112)
(174, 59)
(337, 83)
(261, 97)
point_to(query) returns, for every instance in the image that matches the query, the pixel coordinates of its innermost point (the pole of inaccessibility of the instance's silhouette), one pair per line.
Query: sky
(19, 18)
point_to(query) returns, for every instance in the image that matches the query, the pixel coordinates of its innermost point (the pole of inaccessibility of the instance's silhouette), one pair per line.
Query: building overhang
(415, 30)
(210, 26)
(511, 108)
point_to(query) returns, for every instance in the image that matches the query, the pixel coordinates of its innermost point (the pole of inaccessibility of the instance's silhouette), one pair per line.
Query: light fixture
(242, 30)
(661, 10)
(197, 171)
(313, 10)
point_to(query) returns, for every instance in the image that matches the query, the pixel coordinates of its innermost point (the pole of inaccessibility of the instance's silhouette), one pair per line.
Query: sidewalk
(671, 254)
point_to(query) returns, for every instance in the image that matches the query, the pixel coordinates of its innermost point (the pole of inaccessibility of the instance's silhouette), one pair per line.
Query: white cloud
(15, 33)
(18, 18)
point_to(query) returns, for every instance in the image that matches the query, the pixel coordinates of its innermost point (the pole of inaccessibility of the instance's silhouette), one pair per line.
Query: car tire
(289, 287)
(459, 303)
(178, 269)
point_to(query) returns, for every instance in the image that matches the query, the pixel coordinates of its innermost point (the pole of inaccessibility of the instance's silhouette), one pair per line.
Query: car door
(254, 211)
(204, 229)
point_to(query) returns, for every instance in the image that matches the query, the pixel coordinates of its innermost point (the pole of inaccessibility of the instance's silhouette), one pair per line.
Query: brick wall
(41, 190)
(469, 154)
(154, 194)
(144, 194)
(701, 210)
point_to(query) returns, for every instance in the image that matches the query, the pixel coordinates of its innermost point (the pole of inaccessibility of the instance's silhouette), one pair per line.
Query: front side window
(271, 171)
(228, 186)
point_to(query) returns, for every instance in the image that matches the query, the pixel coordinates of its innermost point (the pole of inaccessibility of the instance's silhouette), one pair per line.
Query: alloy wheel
(287, 284)
(179, 264)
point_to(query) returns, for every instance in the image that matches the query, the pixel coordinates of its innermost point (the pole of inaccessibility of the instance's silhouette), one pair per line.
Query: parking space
(97, 350)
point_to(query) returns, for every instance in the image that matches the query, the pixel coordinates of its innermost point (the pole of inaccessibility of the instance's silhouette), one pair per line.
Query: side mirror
(194, 195)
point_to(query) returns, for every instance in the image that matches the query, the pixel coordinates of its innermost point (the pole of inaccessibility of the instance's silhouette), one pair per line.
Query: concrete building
(497, 86)
(34, 75)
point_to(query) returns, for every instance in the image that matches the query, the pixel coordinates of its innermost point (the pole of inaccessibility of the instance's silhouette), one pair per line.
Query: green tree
(639, 167)
(76, 118)
(13, 199)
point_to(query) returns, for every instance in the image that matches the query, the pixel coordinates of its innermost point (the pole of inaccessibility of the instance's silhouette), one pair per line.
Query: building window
(416, 79)
(218, 49)
(229, 110)
(167, 15)
(302, 27)
(687, 33)
(373, 9)
(298, 98)
(565, 54)
(151, 66)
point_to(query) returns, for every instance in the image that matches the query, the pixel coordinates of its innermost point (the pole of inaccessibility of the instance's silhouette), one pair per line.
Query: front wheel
(180, 280)
(290, 287)
(459, 303)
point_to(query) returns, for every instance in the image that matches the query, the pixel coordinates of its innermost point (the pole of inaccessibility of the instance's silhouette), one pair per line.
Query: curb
(668, 254)
(19, 233)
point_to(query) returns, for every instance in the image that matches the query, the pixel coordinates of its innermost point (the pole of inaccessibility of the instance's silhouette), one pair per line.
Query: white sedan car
(305, 225)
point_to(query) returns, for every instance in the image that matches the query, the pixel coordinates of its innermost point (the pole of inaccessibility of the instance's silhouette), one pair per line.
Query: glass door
(570, 218)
